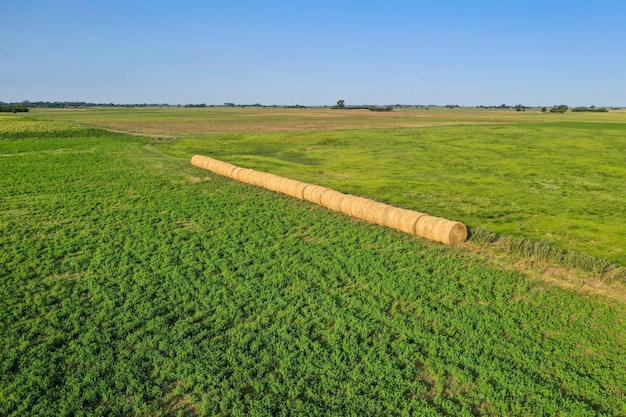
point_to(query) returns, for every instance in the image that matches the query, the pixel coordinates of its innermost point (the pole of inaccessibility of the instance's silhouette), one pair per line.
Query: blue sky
(315, 52)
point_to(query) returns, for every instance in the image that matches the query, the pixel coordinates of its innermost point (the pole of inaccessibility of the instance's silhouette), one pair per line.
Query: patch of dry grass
(219, 120)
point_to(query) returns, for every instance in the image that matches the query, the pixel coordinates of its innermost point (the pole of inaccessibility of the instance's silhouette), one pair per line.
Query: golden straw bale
(273, 183)
(301, 186)
(254, 177)
(346, 204)
(198, 161)
(331, 199)
(407, 221)
(251, 177)
(261, 179)
(377, 213)
(201, 161)
(221, 168)
(214, 165)
(313, 193)
(235, 172)
(242, 175)
(457, 233)
(293, 188)
(392, 217)
(359, 208)
(264, 178)
(428, 227)
(441, 230)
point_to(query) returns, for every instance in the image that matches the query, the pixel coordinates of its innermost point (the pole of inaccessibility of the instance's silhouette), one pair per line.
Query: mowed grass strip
(135, 284)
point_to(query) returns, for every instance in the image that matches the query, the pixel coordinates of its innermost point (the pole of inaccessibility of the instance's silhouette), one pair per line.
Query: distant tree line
(590, 109)
(13, 109)
(75, 104)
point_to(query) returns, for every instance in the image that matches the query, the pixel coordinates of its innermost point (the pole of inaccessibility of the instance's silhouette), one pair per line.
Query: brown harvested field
(174, 121)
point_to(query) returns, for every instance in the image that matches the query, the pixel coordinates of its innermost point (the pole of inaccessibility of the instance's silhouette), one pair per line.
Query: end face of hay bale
(198, 161)
(457, 234)
(441, 230)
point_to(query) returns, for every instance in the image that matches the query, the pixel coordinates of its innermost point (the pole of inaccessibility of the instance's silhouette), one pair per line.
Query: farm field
(185, 122)
(135, 284)
(548, 178)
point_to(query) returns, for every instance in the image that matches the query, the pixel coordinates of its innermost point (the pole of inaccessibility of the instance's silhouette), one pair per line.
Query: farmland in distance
(134, 283)
(557, 179)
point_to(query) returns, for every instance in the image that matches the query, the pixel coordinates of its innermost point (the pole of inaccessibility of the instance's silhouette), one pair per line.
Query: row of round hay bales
(408, 221)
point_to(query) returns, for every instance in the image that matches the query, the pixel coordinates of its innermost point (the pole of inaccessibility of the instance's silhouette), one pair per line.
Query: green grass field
(562, 183)
(135, 284)
(548, 178)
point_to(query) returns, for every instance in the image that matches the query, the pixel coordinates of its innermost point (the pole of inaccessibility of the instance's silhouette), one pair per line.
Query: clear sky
(315, 52)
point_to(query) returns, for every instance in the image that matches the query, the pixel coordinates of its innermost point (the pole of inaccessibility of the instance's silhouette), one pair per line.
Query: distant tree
(559, 109)
(544, 109)
(341, 104)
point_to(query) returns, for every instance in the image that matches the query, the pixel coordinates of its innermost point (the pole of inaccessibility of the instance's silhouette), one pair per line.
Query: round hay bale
(346, 204)
(261, 179)
(360, 207)
(392, 217)
(427, 227)
(221, 168)
(234, 173)
(313, 193)
(456, 233)
(441, 230)
(377, 213)
(407, 221)
(198, 161)
(300, 189)
(331, 199)
(293, 188)
(253, 177)
(264, 178)
(242, 175)
(273, 183)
